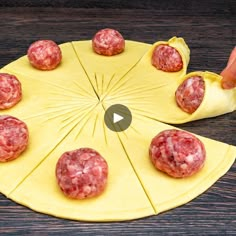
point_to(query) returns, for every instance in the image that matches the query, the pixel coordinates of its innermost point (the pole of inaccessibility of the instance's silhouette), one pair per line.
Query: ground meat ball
(108, 42)
(166, 58)
(13, 138)
(190, 93)
(10, 90)
(44, 54)
(177, 153)
(82, 173)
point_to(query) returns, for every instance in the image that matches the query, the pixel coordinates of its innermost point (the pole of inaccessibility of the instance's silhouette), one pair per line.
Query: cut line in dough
(64, 110)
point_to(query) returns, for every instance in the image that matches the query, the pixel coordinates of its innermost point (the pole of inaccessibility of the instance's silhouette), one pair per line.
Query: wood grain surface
(210, 31)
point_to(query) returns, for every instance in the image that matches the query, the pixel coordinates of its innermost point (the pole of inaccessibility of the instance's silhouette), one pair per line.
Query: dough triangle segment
(123, 198)
(145, 76)
(159, 103)
(151, 92)
(52, 102)
(104, 72)
(145, 88)
(166, 192)
(58, 107)
(48, 121)
(69, 74)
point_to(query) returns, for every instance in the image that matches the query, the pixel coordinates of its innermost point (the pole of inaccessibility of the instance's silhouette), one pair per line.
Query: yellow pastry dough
(105, 72)
(166, 192)
(47, 98)
(151, 92)
(124, 197)
(64, 110)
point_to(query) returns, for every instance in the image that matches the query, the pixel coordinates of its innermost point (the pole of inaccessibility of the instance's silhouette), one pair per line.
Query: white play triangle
(117, 118)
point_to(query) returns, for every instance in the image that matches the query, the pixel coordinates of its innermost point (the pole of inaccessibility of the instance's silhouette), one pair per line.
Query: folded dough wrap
(216, 101)
(151, 92)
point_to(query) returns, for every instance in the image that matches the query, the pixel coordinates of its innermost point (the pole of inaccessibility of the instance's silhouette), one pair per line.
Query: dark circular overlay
(118, 118)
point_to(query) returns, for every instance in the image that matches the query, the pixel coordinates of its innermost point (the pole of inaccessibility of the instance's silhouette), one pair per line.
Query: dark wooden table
(209, 28)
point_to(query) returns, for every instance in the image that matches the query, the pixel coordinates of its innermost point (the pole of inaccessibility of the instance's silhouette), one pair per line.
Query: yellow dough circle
(64, 110)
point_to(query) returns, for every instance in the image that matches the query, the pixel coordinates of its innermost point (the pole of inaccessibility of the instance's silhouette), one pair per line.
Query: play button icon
(118, 118)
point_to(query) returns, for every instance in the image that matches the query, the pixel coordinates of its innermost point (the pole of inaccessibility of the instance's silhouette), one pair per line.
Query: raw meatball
(190, 93)
(82, 173)
(44, 54)
(177, 153)
(108, 42)
(13, 138)
(10, 90)
(166, 58)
